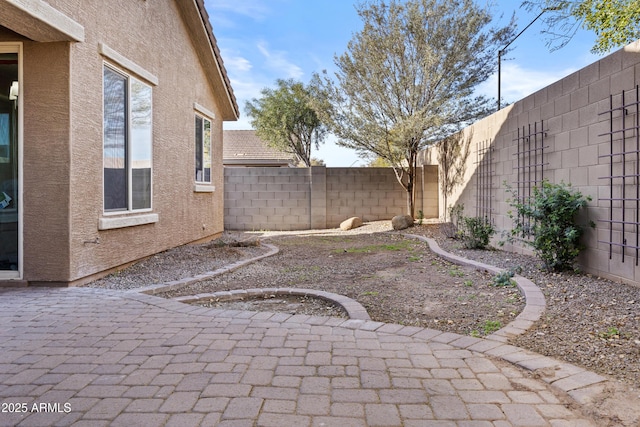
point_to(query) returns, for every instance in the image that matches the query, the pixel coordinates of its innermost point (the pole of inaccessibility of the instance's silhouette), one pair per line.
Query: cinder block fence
(581, 130)
(263, 198)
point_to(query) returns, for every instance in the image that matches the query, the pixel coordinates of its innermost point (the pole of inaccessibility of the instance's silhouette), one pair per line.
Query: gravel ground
(590, 322)
(183, 261)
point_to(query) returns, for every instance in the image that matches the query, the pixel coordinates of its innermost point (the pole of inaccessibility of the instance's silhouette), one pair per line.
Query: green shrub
(547, 222)
(504, 279)
(476, 232)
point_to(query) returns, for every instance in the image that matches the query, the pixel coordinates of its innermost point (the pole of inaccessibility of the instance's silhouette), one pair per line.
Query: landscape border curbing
(353, 308)
(585, 387)
(535, 303)
(534, 298)
(177, 284)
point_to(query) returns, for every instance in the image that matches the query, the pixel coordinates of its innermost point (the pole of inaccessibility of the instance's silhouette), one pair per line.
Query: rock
(350, 223)
(400, 222)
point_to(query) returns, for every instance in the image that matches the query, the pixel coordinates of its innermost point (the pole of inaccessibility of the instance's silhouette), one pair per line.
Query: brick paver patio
(90, 357)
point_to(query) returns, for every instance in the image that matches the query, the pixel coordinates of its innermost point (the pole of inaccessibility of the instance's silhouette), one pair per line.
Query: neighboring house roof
(245, 148)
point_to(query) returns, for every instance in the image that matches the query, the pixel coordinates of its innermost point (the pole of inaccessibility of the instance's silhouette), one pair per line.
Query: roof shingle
(246, 148)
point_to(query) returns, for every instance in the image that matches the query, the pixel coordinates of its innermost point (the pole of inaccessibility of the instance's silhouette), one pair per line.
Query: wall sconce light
(14, 91)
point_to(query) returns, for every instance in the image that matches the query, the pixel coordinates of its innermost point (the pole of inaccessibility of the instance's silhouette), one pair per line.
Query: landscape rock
(353, 222)
(400, 222)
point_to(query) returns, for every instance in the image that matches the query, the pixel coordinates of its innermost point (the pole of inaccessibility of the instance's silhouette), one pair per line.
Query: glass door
(10, 239)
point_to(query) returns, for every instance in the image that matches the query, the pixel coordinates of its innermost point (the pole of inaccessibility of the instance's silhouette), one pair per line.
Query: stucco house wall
(166, 44)
(571, 123)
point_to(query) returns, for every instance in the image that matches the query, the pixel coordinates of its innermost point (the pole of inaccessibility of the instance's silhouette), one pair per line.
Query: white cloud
(276, 60)
(254, 9)
(236, 64)
(243, 123)
(518, 82)
(247, 88)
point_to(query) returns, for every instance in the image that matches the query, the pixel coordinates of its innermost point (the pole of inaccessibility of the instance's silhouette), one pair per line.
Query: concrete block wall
(318, 197)
(263, 198)
(577, 151)
(369, 193)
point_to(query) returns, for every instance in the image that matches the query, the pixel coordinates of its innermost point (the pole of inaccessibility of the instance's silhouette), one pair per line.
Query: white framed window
(203, 149)
(127, 142)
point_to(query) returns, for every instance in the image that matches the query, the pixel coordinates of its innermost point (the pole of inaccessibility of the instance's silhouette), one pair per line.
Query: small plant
(547, 222)
(370, 294)
(490, 326)
(420, 217)
(476, 232)
(612, 332)
(456, 272)
(468, 283)
(504, 279)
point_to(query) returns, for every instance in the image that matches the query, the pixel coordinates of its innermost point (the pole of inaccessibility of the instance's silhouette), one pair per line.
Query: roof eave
(194, 11)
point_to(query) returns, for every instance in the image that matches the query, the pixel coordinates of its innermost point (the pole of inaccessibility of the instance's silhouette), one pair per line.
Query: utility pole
(503, 50)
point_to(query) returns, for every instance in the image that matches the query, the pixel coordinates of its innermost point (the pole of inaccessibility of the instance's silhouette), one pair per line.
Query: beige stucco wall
(576, 152)
(63, 160)
(46, 163)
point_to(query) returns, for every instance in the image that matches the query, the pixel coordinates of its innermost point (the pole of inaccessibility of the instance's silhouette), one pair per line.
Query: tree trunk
(410, 200)
(411, 178)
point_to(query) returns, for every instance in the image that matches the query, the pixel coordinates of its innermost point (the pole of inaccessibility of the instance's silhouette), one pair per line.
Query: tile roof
(245, 147)
(216, 52)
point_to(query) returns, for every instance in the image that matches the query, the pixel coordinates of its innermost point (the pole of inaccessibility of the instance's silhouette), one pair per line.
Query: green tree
(284, 118)
(615, 22)
(378, 162)
(408, 79)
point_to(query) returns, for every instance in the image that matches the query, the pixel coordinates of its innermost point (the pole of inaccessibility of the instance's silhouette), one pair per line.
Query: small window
(203, 150)
(127, 142)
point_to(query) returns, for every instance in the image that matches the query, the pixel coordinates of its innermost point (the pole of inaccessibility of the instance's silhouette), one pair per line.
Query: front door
(10, 194)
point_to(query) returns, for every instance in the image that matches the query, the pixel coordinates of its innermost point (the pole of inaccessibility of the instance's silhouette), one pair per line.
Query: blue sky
(264, 40)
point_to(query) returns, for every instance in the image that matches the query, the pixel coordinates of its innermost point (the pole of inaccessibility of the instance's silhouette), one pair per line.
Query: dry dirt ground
(395, 278)
(589, 321)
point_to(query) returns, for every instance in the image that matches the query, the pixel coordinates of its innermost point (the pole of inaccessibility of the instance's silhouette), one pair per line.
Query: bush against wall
(474, 232)
(547, 222)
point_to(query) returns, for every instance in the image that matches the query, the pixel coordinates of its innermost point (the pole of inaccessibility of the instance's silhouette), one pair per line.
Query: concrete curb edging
(353, 308)
(584, 386)
(535, 301)
(177, 284)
